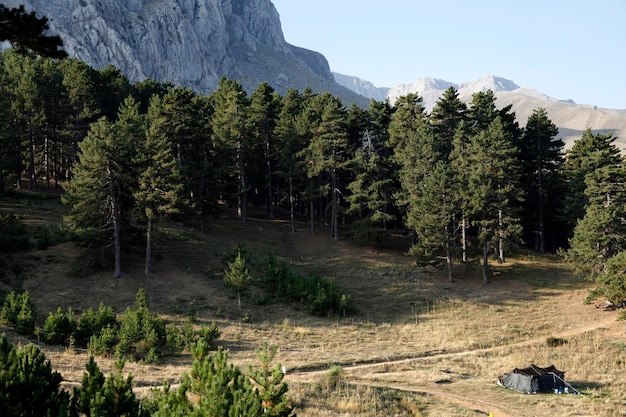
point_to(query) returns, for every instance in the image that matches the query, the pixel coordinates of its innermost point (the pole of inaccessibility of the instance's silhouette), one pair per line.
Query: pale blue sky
(567, 49)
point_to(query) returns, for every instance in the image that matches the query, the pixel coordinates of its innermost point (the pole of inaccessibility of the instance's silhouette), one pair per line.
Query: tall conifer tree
(493, 188)
(231, 133)
(541, 153)
(264, 104)
(590, 152)
(160, 188)
(327, 153)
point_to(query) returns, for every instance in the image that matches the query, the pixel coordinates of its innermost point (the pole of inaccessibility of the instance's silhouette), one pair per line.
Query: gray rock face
(192, 43)
(362, 87)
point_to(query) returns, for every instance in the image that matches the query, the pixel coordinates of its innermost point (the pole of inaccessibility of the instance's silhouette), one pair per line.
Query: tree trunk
(464, 240)
(542, 237)
(2, 191)
(292, 215)
(148, 267)
(486, 262)
(449, 262)
(32, 180)
(312, 210)
(500, 239)
(541, 232)
(243, 200)
(334, 207)
(117, 232)
(46, 159)
(268, 173)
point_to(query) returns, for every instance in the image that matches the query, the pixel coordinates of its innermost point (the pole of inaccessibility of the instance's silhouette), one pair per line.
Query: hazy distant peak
(490, 82)
(361, 86)
(426, 84)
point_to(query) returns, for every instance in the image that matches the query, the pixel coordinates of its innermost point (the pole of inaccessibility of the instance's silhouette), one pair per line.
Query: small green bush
(139, 330)
(209, 333)
(91, 323)
(174, 340)
(18, 311)
(555, 341)
(59, 326)
(110, 396)
(28, 386)
(104, 342)
(321, 296)
(187, 333)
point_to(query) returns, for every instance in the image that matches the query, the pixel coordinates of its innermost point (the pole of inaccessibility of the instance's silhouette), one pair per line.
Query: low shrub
(320, 296)
(92, 322)
(59, 327)
(28, 386)
(18, 312)
(209, 333)
(555, 341)
(104, 342)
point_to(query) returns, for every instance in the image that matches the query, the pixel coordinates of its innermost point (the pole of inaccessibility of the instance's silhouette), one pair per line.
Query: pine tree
(601, 233)
(106, 397)
(306, 126)
(448, 113)
(493, 189)
(263, 114)
(28, 385)
(159, 191)
(111, 89)
(408, 116)
(289, 144)
(270, 387)
(24, 74)
(327, 153)
(590, 152)
(96, 191)
(231, 134)
(460, 166)
(222, 389)
(430, 215)
(26, 32)
(541, 154)
(237, 276)
(371, 192)
(80, 107)
(612, 283)
(55, 114)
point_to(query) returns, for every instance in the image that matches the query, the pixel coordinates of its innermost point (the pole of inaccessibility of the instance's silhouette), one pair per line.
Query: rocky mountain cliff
(192, 43)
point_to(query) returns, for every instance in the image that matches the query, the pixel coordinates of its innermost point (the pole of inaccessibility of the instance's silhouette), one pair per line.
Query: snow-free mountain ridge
(193, 43)
(572, 119)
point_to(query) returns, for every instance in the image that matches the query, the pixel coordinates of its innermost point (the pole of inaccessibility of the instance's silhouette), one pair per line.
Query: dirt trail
(358, 374)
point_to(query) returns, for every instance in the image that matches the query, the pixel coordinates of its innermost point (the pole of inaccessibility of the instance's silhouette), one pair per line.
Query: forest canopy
(465, 180)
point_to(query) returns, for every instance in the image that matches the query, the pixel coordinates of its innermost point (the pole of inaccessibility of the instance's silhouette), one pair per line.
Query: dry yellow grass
(419, 346)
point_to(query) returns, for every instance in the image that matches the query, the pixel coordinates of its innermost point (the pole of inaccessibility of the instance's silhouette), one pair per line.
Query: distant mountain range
(572, 119)
(193, 43)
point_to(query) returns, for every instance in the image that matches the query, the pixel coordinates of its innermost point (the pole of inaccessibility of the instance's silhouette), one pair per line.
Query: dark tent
(534, 379)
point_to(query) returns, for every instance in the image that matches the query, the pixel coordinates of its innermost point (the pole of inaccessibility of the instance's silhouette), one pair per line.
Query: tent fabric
(518, 382)
(535, 370)
(533, 379)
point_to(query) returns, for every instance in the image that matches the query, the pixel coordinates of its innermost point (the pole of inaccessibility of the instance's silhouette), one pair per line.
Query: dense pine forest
(464, 180)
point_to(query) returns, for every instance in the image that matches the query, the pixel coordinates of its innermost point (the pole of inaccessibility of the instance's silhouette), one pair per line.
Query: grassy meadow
(416, 346)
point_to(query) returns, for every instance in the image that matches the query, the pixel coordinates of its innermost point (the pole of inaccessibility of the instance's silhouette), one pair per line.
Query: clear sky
(567, 49)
